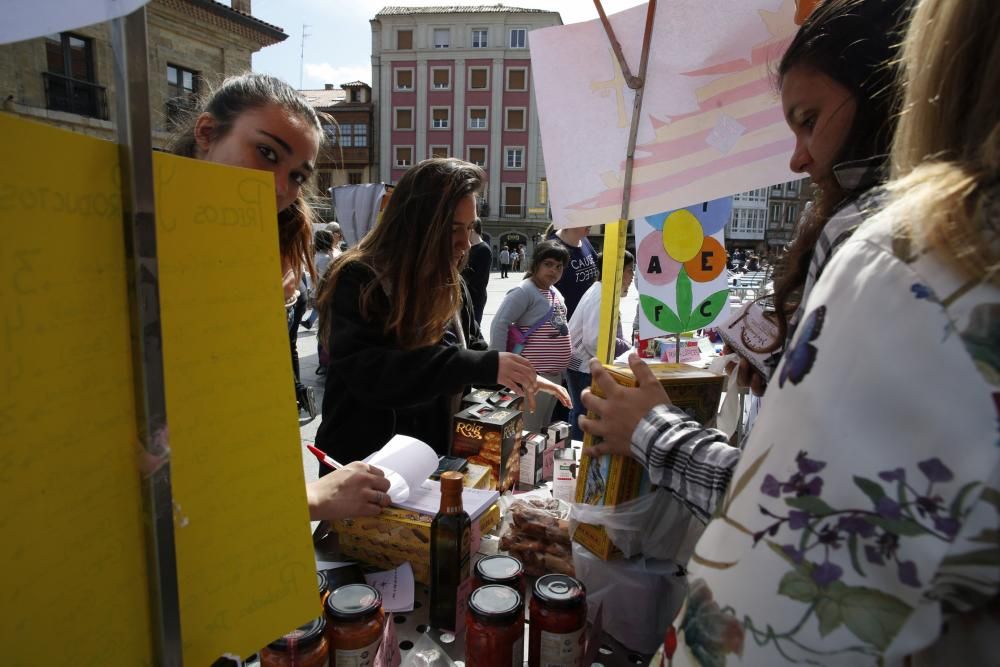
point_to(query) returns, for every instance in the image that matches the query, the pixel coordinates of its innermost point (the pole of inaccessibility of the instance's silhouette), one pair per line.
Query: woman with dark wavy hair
(399, 324)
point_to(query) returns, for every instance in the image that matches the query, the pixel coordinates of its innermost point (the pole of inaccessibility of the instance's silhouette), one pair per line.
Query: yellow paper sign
(231, 412)
(73, 571)
(72, 568)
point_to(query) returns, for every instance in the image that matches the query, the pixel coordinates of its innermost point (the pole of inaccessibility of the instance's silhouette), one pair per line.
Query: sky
(338, 41)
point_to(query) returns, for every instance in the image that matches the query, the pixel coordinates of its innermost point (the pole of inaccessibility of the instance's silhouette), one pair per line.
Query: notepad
(426, 499)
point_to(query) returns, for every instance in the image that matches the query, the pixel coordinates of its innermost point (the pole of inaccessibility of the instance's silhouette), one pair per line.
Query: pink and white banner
(711, 124)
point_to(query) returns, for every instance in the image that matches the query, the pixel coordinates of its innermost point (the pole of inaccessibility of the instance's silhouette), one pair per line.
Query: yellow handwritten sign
(231, 411)
(72, 568)
(73, 563)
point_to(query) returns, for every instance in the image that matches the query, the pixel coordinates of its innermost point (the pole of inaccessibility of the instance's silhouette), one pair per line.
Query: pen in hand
(323, 458)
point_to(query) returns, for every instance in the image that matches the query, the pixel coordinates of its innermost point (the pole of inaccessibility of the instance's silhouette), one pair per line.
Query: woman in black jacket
(399, 323)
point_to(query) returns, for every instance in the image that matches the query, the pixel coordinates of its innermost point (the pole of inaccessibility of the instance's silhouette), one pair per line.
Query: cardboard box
(398, 535)
(557, 434)
(490, 436)
(611, 480)
(564, 475)
(506, 398)
(533, 448)
(476, 397)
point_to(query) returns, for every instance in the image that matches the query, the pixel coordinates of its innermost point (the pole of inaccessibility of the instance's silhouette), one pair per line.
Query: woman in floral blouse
(862, 522)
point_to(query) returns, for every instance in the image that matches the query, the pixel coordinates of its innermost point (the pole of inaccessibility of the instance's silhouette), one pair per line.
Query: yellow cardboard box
(398, 535)
(611, 480)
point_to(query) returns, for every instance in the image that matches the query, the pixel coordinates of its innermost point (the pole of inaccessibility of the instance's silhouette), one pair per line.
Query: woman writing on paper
(260, 122)
(398, 321)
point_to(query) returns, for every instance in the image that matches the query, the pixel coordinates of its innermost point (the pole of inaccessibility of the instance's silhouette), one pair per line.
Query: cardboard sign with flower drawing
(682, 263)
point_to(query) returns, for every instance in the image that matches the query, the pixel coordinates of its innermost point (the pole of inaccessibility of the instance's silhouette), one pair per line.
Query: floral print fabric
(862, 525)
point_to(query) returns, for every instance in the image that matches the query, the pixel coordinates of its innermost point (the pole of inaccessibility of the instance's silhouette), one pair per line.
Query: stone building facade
(67, 79)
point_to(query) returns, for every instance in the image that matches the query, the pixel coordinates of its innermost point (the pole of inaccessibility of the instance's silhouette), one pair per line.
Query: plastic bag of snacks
(535, 530)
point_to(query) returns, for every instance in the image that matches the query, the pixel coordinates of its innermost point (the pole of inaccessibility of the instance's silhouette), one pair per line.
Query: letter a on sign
(654, 265)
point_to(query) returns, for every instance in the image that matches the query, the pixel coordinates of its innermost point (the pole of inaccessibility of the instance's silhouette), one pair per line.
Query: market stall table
(411, 625)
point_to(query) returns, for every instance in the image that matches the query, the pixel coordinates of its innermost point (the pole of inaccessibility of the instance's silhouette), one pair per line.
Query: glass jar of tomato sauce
(502, 570)
(558, 621)
(304, 647)
(323, 584)
(494, 627)
(354, 625)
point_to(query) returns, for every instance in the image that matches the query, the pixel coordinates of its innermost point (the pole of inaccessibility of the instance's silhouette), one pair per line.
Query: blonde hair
(946, 152)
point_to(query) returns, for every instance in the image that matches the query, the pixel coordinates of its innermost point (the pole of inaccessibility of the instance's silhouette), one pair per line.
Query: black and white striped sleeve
(695, 463)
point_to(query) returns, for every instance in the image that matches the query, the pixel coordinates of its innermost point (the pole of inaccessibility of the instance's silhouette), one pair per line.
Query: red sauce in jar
(558, 622)
(354, 624)
(305, 647)
(494, 627)
(502, 570)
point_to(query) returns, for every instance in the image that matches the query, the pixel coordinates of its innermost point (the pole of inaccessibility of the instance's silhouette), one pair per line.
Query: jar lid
(498, 569)
(560, 590)
(353, 601)
(305, 636)
(322, 583)
(495, 602)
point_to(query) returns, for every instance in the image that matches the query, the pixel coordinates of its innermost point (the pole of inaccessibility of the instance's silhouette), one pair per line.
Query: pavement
(308, 360)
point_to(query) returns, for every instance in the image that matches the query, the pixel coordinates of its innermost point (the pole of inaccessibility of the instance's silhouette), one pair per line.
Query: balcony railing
(85, 98)
(512, 210)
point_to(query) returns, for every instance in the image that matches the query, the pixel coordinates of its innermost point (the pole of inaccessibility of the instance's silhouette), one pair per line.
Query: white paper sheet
(426, 499)
(396, 587)
(406, 462)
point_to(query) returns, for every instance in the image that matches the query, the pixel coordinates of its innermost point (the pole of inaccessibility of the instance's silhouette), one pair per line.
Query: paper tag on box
(688, 354)
(388, 651)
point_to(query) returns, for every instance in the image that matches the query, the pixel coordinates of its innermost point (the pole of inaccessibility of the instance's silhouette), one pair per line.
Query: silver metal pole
(134, 127)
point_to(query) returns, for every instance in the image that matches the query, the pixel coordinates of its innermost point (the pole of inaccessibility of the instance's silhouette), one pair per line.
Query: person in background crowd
(515, 261)
(323, 245)
(338, 240)
(581, 270)
(260, 122)
(536, 309)
(495, 266)
(477, 270)
(504, 262)
(398, 321)
(584, 328)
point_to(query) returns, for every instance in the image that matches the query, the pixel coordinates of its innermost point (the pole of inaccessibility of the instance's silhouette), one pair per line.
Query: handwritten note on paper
(68, 480)
(245, 558)
(396, 587)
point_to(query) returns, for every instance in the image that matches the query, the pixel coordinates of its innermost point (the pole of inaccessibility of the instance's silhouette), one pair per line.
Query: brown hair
(226, 103)
(854, 42)
(947, 150)
(410, 253)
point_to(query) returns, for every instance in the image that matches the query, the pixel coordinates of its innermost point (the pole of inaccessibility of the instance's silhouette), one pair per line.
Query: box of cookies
(506, 398)
(610, 480)
(533, 447)
(398, 535)
(490, 436)
(476, 397)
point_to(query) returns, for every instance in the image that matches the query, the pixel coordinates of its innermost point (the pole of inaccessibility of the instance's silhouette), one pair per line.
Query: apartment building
(456, 81)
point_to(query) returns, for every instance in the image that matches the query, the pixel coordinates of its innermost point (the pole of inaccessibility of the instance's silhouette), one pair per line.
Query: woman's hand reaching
(517, 373)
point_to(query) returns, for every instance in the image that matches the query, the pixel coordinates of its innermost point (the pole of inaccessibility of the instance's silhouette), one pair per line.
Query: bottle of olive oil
(451, 535)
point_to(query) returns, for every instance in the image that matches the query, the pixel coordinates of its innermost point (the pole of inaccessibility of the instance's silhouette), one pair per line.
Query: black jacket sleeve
(378, 370)
(473, 334)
